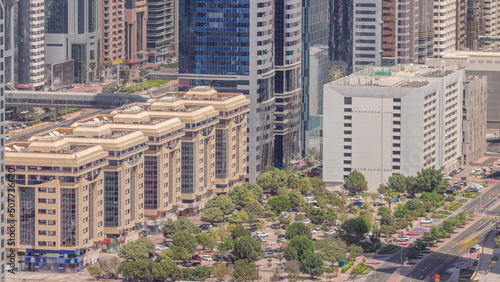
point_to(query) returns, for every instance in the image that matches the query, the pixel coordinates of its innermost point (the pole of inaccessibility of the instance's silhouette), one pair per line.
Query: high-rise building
(71, 32)
(31, 44)
(491, 15)
(229, 45)
(341, 32)
(385, 32)
(445, 27)
(10, 44)
(315, 58)
(381, 121)
(136, 18)
(461, 25)
(112, 29)
(161, 26)
(475, 24)
(60, 209)
(287, 82)
(425, 30)
(3, 183)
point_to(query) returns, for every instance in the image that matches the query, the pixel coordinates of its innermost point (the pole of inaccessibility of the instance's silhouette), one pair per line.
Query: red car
(196, 257)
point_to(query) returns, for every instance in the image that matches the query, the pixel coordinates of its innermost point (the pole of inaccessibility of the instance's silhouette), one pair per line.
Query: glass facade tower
(229, 45)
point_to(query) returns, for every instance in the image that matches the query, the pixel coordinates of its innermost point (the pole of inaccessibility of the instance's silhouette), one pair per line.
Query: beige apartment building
(123, 177)
(60, 203)
(230, 132)
(162, 159)
(113, 27)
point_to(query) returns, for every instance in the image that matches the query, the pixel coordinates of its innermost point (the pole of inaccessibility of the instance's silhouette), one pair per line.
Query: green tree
(382, 189)
(353, 229)
(222, 202)
(354, 251)
(312, 263)
(272, 179)
(412, 253)
(318, 186)
(292, 267)
(207, 239)
(239, 231)
(279, 204)
(175, 252)
(305, 186)
(302, 244)
(92, 66)
(139, 270)
(186, 240)
(430, 180)
(291, 254)
(239, 217)
(332, 249)
(414, 205)
(449, 225)
(398, 182)
(212, 215)
(387, 219)
(170, 227)
(390, 197)
(247, 248)
(355, 182)
(94, 271)
(220, 270)
(297, 229)
(138, 249)
(164, 270)
(402, 211)
(245, 270)
(254, 210)
(296, 199)
(248, 192)
(109, 267)
(200, 273)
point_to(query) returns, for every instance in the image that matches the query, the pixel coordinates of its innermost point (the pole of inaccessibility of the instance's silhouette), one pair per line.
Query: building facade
(31, 44)
(445, 27)
(315, 42)
(71, 32)
(112, 26)
(474, 119)
(381, 121)
(233, 52)
(136, 18)
(287, 81)
(60, 217)
(161, 27)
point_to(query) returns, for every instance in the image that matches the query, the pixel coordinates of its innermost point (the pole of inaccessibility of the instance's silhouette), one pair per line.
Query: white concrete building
(381, 121)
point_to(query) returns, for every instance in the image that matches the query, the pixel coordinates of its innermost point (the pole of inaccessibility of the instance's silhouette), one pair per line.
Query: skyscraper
(315, 58)
(112, 29)
(287, 85)
(445, 22)
(229, 45)
(341, 34)
(71, 32)
(161, 27)
(31, 44)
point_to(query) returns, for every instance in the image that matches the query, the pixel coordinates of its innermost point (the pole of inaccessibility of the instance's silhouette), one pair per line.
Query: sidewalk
(485, 256)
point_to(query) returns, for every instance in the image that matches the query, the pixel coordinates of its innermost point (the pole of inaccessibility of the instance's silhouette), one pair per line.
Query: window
(347, 132)
(348, 100)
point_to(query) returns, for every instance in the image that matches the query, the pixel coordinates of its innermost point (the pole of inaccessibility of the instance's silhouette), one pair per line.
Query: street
(442, 258)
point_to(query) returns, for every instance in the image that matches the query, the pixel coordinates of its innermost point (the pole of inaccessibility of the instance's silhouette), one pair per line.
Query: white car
(305, 221)
(330, 233)
(262, 234)
(206, 257)
(403, 239)
(381, 196)
(313, 231)
(351, 198)
(426, 221)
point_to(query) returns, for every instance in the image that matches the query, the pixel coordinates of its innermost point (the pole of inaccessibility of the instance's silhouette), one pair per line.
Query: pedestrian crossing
(491, 216)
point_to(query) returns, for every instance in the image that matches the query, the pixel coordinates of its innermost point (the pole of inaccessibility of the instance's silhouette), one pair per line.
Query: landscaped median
(361, 269)
(346, 267)
(389, 249)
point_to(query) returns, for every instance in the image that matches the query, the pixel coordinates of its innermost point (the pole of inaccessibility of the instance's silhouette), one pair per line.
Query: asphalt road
(443, 257)
(384, 271)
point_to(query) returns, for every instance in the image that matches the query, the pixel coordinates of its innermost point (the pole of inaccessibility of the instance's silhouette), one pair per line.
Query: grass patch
(445, 212)
(472, 195)
(147, 84)
(361, 269)
(439, 216)
(453, 206)
(389, 249)
(346, 267)
(462, 200)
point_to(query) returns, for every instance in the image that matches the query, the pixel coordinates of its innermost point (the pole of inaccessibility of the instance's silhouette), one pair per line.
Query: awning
(106, 241)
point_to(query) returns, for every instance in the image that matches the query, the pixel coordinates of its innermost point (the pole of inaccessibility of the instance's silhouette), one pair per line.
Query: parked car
(378, 204)
(426, 221)
(205, 226)
(313, 231)
(252, 228)
(472, 189)
(330, 233)
(281, 236)
(381, 196)
(262, 239)
(262, 234)
(317, 227)
(275, 226)
(196, 257)
(269, 255)
(305, 221)
(206, 258)
(472, 250)
(403, 239)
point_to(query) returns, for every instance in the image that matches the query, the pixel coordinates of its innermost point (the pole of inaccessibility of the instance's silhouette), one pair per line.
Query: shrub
(389, 249)
(445, 212)
(439, 216)
(450, 198)
(462, 200)
(440, 204)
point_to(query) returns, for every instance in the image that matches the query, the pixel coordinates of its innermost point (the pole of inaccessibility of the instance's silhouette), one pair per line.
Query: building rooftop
(403, 76)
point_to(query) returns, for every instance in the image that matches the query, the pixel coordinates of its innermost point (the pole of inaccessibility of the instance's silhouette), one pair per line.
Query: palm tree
(92, 66)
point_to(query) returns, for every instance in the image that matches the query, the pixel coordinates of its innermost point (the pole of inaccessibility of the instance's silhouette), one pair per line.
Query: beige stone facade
(474, 119)
(60, 196)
